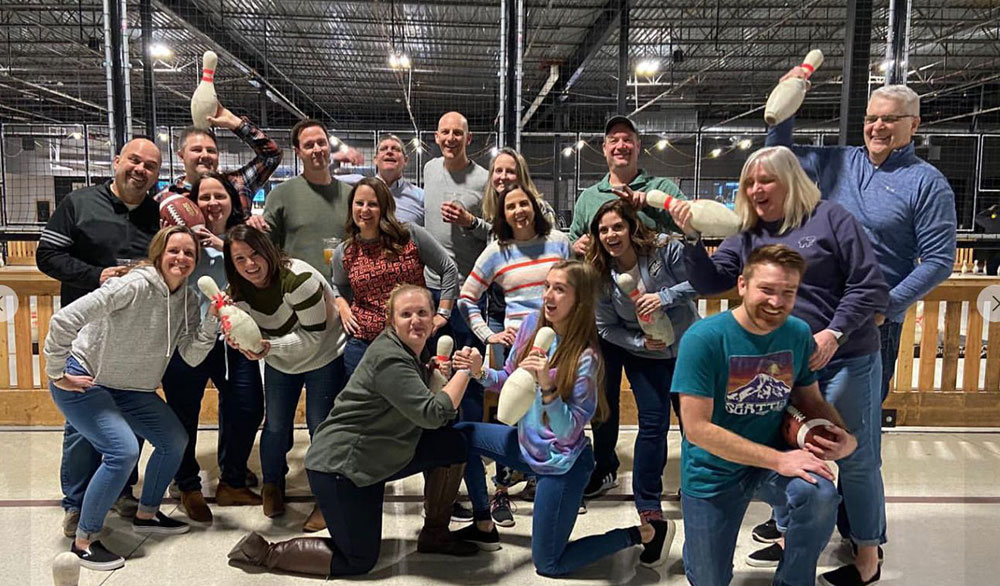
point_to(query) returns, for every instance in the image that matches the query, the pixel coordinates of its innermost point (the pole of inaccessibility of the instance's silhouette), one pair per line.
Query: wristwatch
(444, 312)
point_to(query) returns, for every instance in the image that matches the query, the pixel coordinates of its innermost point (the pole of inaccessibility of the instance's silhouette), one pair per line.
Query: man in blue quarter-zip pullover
(905, 204)
(907, 208)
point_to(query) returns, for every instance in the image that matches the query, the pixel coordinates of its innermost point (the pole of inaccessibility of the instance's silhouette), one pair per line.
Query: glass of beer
(329, 245)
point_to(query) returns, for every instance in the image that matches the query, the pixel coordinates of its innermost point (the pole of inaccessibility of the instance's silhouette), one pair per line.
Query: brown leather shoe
(193, 503)
(273, 500)
(315, 522)
(443, 542)
(228, 496)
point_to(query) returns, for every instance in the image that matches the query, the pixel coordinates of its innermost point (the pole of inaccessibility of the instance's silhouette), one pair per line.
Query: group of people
(825, 264)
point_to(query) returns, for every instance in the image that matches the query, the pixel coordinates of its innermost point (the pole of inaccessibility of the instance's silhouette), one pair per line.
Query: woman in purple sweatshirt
(840, 293)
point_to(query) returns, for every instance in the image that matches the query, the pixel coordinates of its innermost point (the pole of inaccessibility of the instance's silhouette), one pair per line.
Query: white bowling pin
(709, 217)
(237, 325)
(965, 267)
(656, 325)
(66, 569)
(204, 102)
(518, 393)
(444, 347)
(787, 96)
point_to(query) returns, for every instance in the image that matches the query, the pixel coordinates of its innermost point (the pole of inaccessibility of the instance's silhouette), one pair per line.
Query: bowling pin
(66, 569)
(237, 325)
(204, 102)
(520, 390)
(787, 96)
(655, 325)
(710, 218)
(444, 347)
(965, 267)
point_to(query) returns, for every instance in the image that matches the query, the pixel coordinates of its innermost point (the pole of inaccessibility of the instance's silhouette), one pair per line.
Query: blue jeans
(241, 409)
(557, 502)
(650, 381)
(281, 397)
(890, 333)
(711, 526)
(79, 463)
(110, 419)
(852, 386)
(354, 351)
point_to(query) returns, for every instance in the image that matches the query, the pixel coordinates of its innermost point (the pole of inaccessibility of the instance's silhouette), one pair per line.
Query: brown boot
(440, 489)
(228, 496)
(273, 499)
(315, 522)
(193, 503)
(303, 555)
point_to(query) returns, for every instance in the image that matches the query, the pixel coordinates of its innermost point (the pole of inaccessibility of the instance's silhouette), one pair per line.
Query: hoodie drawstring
(169, 353)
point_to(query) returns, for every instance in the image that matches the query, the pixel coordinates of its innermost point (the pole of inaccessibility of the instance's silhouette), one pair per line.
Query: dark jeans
(646, 393)
(354, 513)
(354, 351)
(557, 502)
(890, 333)
(281, 396)
(241, 409)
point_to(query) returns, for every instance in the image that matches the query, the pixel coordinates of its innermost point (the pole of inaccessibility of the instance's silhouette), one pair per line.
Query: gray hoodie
(125, 332)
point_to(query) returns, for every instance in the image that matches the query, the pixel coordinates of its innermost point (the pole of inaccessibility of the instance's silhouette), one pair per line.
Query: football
(799, 428)
(178, 210)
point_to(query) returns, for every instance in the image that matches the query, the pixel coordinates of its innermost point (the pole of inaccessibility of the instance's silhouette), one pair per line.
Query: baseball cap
(619, 119)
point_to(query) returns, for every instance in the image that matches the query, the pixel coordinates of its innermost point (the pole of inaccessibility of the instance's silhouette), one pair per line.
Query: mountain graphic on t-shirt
(762, 388)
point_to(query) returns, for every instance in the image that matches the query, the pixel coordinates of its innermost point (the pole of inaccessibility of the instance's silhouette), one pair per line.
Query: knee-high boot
(303, 555)
(440, 490)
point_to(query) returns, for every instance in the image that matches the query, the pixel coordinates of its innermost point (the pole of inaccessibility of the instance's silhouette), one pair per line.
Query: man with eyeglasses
(390, 162)
(908, 210)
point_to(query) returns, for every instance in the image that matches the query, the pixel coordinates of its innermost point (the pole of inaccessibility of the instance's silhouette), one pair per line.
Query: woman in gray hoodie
(105, 355)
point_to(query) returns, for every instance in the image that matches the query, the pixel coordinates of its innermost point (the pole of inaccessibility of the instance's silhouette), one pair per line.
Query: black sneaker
(97, 557)
(769, 557)
(461, 513)
(161, 524)
(655, 552)
(848, 576)
(500, 510)
(598, 486)
(767, 532)
(486, 541)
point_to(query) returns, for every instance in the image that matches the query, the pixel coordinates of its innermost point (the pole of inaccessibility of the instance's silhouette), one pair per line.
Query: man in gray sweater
(453, 194)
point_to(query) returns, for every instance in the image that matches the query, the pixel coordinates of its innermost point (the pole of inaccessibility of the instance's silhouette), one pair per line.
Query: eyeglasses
(887, 118)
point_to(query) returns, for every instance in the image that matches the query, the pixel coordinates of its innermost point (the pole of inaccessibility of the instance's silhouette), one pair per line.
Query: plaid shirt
(248, 178)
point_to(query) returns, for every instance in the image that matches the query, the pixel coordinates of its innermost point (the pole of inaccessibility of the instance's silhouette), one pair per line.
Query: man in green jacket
(624, 179)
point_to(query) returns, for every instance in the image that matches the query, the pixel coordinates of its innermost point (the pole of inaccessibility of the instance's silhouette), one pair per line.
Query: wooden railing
(927, 389)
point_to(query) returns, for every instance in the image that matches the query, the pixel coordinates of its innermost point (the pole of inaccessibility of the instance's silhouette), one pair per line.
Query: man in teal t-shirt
(736, 372)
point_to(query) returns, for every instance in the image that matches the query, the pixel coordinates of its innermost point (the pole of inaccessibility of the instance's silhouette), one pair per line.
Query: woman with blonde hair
(105, 355)
(840, 293)
(386, 424)
(549, 441)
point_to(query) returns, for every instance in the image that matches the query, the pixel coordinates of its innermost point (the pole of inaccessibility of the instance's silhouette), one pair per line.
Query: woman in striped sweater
(303, 344)
(523, 250)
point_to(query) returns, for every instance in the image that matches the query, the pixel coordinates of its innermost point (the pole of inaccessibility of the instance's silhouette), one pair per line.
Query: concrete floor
(943, 490)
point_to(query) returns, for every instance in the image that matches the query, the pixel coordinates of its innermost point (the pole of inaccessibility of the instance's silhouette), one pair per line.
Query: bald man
(91, 231)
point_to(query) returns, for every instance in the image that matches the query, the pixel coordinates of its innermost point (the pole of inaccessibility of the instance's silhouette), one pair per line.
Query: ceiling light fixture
(160, 51)
(647, 67)
(662, 144)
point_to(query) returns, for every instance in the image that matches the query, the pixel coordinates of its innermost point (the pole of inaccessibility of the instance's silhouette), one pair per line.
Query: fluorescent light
(647, 67)
(160, 51)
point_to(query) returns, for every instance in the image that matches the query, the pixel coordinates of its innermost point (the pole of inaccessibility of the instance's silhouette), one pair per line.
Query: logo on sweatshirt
(807, 241)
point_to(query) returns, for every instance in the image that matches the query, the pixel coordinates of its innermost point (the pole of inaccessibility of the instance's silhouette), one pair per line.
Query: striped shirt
(519, 268)
(292, 315)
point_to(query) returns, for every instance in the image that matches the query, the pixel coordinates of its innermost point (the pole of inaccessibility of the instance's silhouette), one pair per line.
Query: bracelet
(444, 312)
